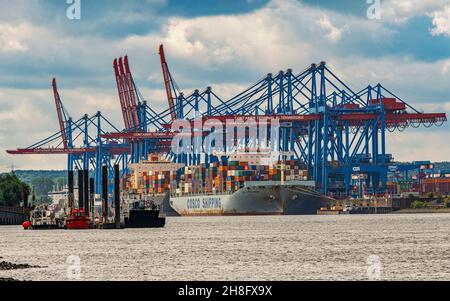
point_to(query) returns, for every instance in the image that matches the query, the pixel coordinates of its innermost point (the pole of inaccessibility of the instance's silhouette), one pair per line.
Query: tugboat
(42, 219)
(77, 220)
(146, 190)
(144, 215)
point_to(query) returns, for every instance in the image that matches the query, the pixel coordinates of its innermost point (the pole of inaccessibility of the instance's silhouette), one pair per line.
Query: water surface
(409, 247)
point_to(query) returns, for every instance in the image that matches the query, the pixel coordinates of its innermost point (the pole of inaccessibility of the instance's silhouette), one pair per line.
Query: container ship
(245, 184)
(239, 184)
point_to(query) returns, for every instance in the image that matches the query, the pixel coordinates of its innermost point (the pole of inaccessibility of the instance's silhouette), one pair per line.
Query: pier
(11, 216)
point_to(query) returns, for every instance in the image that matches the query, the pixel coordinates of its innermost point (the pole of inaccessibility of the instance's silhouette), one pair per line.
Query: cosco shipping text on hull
(255, 198)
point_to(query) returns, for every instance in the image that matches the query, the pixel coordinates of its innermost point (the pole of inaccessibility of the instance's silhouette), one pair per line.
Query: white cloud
(13, 37)
(441, 22)
(403, 10)
(333, 33)
(216, 41)
(25, 118)
(416, 145)
(238, 49)
(418, 83)
(445, 67)
(281, 35)
(38, 45)
(28, 116)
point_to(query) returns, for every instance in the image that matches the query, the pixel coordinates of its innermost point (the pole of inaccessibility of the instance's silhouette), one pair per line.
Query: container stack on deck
(220, 177)
(152, 177)
(151, 182)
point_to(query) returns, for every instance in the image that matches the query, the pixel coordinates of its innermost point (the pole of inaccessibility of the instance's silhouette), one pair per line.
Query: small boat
(78, 220)
(144, 214)
(41, 218)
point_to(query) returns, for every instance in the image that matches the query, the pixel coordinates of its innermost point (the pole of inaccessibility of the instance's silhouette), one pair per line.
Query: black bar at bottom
(204, 290)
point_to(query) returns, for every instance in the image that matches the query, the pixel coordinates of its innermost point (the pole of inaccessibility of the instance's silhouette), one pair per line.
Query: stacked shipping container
(152, 177)
(158, 176)
(227, 177)
(438, 185)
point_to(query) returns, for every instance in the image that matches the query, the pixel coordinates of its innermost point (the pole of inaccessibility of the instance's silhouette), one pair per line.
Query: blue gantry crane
(335, 131)
(82, 142)
(312, 116)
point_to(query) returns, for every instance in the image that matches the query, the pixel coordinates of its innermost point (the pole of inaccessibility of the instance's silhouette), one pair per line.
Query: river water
(355, 247)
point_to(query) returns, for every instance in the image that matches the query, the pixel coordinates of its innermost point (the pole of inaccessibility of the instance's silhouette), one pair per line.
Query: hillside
(28, 176)
(42, 181)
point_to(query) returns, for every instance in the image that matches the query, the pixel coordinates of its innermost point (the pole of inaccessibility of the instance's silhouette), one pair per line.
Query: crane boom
(131, 93)
(121, 95)
(58, 104)
(125, 94)
(167, 82)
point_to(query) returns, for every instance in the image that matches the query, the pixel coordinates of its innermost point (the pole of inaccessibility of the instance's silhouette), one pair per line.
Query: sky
(229, 45)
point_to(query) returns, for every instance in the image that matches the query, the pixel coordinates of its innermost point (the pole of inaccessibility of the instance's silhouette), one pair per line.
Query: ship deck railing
(183, 194)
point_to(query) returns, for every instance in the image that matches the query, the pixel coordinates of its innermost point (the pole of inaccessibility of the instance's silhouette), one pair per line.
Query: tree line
(12, 190)
(14, 185)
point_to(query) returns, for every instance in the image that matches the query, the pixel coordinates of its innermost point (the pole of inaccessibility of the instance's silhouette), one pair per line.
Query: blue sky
(225, 44)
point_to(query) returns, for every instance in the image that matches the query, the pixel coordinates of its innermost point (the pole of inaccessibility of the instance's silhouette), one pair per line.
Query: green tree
(412, 197)
(447, 202)
(42, 185)
(418, 204)
(11, 190)
(43, 199)
(61, 181)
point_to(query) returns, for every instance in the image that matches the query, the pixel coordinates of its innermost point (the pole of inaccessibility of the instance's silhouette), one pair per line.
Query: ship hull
(262, 199)
(145, 219)
(162, 200)
(77, 224)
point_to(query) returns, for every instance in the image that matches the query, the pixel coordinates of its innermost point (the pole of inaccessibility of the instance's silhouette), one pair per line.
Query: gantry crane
(335, 131)
(82, 142)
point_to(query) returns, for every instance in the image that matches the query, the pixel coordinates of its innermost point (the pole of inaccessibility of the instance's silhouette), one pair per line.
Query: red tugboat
(78, 220)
